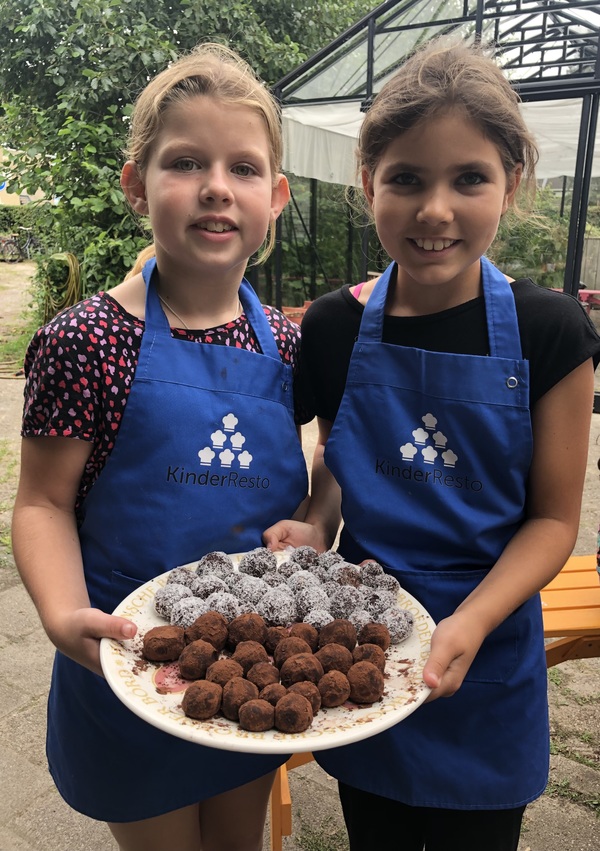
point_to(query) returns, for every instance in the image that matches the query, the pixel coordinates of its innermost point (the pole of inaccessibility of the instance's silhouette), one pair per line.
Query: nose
(215, 185)
(435, 207)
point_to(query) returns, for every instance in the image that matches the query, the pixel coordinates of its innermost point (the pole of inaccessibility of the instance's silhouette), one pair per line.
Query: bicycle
(15, 248)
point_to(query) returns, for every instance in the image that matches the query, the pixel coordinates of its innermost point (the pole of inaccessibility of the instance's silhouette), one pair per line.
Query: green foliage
(69, 73)
(28, 216)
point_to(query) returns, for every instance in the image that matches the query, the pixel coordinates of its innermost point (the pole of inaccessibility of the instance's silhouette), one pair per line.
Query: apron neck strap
(157, 323)
(501, 314)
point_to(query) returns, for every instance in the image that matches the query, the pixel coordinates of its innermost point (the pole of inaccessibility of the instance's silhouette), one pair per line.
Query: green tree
(69, 73)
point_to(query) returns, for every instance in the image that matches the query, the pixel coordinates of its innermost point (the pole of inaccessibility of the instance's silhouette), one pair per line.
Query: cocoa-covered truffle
(293, 713)
(338, 631)
(224, 670)
(236, 692)
(257, 715)
(163, 643)
(289, 647)
(273, 693)
(366, 682)
(274, 636)
(375, 633)
(369, 653)
(196, 658)
(202, 700)
(301, 666)
(306, 631)
(248, 627)
(334, 688)
(308, 690)
(211, 627)
(248, 653)
(263, 674)
(334, 657)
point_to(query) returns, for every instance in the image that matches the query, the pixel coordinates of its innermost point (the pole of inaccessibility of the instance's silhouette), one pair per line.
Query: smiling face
(437, 195)
(208, 189)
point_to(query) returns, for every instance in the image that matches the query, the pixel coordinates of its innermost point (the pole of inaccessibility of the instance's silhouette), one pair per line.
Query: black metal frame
(551, 52)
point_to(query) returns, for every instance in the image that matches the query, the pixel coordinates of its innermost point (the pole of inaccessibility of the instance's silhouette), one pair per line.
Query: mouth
(216, 227)
(438, 244)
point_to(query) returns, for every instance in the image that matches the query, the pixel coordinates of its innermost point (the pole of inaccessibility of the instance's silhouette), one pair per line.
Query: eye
(244, 170)
(185, 165)
(406, 178)
(471, 178)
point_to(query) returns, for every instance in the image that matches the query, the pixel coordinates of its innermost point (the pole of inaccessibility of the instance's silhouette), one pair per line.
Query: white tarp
(320, 141)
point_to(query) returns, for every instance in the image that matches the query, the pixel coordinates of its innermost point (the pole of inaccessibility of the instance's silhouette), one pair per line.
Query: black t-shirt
(556, 337)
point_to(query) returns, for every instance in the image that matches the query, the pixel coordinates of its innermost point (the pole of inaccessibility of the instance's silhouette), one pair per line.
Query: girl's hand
(294, 533)
(80, 633)
(454, 645)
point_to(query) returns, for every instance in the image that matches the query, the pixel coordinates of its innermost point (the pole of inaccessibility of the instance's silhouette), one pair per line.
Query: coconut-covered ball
(387, 582)
(278, 607)
(224, 603)
(273, 578)
(346, 599)
(329, 558)
(301, 579)
(310, 597)
(359, 617)
(248, 588)
(345, 574)
(208, 584)
(186, 610)
(305, 556)
(182, 576)
(286, 568)
(165, 598)
(318, 618)
(376, 602)
(370, 571)
(257, 562)
(218, 563)
(399, 622)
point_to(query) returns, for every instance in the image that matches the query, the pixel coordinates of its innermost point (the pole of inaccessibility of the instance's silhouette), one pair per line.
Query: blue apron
(432, 452)
(206, 458)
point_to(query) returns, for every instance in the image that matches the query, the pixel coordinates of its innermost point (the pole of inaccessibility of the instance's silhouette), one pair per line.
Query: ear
(367, 184)
(512, 184)
(280, 195)
(134, 188)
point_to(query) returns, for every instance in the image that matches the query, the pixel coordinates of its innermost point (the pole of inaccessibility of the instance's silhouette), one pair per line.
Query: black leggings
(374, 823)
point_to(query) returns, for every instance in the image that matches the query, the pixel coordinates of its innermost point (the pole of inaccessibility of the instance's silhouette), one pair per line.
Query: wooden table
(571, 612)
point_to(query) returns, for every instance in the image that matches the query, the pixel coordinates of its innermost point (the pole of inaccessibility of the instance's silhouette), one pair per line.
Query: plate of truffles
(264, 652)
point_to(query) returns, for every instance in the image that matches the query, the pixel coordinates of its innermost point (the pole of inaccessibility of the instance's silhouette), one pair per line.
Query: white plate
(144, 687)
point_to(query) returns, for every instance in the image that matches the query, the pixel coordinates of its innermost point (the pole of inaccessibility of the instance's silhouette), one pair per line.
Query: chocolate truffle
(236, 692)
(225, 603)
(182, 576)
(293, 713)
(258, 561)
(345, 574)
(165, 598)
(202, 700)
(274, 636)
(369, 653)
(273, 693)
(301, 666)
(375, 633)
(163, 643)
(305, 556)
(204, 586)
(278, 606)
(196, 658)
(308, 690)
(211, 627)
(366, 682)
(329, 558)
(217, 563)
(248, 653)
(318, 618)
(306, 631)
(309, 597)
(344, 601)
(399, 622)
(257, 715)
(249, 627)
(223, 670)
(339, 631)
(334, 689)
(263, 674)
(334, 657)
(186, 610)
(289, 647)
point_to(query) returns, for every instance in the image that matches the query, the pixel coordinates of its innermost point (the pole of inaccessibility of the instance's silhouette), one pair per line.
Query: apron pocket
(121, 586)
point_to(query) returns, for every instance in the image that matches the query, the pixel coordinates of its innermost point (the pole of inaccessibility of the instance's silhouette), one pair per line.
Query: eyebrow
(473, 165)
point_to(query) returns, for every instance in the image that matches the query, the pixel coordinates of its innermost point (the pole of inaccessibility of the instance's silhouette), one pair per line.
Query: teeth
(434, 244)
(215, 227)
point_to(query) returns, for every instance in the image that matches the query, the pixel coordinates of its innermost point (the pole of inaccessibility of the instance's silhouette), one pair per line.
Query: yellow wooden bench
(571, 612)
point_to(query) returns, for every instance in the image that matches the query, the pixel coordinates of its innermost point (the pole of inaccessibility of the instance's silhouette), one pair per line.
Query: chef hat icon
(229, 422)
(420, 435)
(237, 441)
(218, 439)
(429, 421)
(226, 457)
(206, 455)
(450, 458)
(245, 459)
